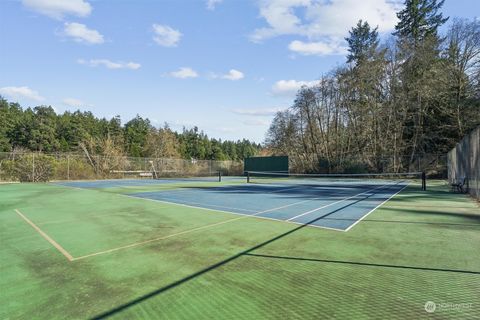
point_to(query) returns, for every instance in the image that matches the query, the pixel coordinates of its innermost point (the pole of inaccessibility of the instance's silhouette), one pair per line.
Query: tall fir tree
(362, 42)
(421, 73)
(419, 20)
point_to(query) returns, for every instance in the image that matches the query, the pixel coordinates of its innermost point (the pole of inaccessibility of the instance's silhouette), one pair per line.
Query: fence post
(124, 166)
(33, 167)
(68, 167)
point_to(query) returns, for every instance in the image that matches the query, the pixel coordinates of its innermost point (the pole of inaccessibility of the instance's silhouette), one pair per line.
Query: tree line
(393, 103)
(42, 129)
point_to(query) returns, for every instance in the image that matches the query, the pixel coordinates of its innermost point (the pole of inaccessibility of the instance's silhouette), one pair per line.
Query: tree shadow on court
(430, 223)
(360, 263)
(443, 213)
(248, 252)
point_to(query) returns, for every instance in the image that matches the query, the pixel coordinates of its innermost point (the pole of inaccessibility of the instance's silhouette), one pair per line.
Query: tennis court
(333, 205)
(326, 201)
(272, 247)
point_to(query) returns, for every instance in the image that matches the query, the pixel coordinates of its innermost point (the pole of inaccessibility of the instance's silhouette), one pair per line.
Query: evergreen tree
(419, 20)
(362, 42)
(41, 129)
(42, 136)
(136, 131)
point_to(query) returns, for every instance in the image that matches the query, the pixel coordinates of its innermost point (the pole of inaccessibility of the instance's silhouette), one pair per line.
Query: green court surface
(99, 253)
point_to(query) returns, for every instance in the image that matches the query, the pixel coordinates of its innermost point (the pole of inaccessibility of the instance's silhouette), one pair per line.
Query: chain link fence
(464, 162)
(434, 165)
(41, 167)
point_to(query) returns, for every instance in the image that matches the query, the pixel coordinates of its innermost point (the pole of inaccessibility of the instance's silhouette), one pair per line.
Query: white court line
(363, 217)
(46, 236)
(136, 244)
(305, 213)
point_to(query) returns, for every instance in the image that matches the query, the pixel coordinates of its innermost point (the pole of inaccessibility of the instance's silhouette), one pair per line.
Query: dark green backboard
(272, 164)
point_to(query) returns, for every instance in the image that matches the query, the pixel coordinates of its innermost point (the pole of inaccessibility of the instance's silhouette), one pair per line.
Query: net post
(219, 176)
(424, 181)
(248, 176)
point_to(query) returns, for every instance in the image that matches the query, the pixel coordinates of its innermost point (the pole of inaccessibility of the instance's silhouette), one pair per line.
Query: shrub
(33, 167)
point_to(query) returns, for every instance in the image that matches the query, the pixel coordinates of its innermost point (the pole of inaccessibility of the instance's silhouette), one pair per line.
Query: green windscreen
(268, 164)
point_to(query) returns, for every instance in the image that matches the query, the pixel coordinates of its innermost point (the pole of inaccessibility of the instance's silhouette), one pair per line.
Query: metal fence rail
(464, 162)
(37, 167)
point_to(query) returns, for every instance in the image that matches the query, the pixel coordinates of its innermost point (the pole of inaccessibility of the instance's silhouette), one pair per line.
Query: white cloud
(21, 92)
(80, 33)
(109, 64)
(57, 9)
(233, 75)
(290, 87)
(211, 4)
(281, 18)
(317, 48)
(257, 112)
(184, 73)
(166, 36)
(72, 102)
(336, 17)
(323, 23)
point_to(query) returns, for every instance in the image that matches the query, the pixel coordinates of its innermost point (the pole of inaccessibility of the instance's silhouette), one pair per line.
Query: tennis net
(265, 177)
(213, 176)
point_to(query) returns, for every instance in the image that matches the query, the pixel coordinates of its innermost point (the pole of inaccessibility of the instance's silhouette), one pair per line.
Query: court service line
(136, 244)
(381, 204)
(331, 204)
(44, 235)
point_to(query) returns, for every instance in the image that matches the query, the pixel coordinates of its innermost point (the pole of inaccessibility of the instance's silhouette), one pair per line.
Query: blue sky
(223, 65)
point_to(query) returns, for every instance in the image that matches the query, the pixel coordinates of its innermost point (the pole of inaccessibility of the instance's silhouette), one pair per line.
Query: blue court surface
(114, 183)
(337, 206)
